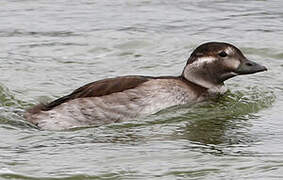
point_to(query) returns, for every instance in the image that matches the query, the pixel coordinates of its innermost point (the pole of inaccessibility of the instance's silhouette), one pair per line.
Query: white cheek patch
(203, 60)
(232, 63)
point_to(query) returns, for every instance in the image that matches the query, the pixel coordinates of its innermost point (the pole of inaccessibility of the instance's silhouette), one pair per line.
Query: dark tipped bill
(250, 67)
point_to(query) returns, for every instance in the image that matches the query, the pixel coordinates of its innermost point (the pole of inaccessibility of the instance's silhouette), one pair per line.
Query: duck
(125, 98)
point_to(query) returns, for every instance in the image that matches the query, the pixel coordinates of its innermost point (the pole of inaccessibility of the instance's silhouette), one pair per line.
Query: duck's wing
(96, 89)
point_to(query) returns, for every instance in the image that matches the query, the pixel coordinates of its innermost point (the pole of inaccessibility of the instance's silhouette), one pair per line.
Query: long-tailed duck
(127, 97)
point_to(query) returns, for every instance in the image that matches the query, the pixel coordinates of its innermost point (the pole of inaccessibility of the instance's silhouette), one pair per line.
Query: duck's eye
(223, 54)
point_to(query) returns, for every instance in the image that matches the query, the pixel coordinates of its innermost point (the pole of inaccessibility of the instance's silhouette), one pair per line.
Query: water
(49, 49)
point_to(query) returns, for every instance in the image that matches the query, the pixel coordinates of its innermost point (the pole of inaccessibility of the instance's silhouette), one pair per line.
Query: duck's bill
(250, 67)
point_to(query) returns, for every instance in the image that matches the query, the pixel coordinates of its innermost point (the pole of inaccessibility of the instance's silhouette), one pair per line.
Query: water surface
(49, 49)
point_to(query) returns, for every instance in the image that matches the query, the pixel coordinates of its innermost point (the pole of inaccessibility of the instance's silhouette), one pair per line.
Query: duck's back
(113, 100)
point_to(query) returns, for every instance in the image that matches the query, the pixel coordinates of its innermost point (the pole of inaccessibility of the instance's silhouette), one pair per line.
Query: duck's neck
(204, 79)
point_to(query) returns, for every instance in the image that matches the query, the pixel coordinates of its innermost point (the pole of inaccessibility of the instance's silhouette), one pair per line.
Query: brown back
(95, 89)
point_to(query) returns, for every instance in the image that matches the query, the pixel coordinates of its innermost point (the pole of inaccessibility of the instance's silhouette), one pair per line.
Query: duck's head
(212, 63)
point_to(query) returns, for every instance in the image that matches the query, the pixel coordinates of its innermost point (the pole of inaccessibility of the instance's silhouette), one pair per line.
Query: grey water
(49, 48)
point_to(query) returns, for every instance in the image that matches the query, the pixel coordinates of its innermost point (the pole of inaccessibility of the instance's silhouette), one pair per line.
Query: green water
(49, 49)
